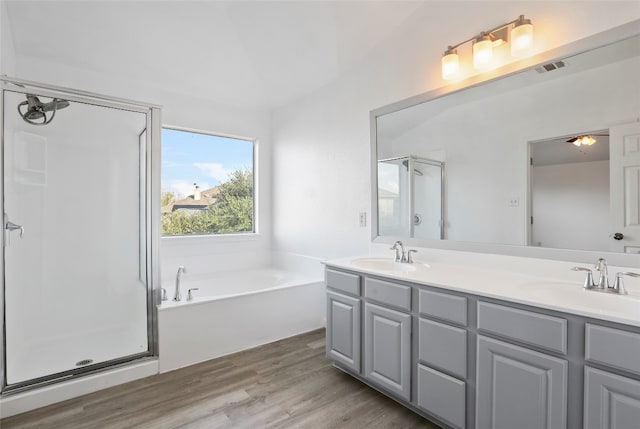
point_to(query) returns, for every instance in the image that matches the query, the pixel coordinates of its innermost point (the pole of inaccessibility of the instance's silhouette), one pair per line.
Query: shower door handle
(10, 226)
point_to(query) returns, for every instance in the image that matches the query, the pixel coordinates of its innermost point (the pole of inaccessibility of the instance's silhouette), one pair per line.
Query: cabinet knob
(618, 236)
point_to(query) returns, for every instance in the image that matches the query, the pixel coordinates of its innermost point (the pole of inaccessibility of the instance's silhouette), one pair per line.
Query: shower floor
(28, 361)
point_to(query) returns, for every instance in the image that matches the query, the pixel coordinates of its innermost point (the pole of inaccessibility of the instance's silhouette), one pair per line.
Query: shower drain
(84, 362)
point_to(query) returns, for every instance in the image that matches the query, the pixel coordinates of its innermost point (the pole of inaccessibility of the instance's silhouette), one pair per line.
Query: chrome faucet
(399, 248)
(176, 295)
(401, 255)
(603, 280)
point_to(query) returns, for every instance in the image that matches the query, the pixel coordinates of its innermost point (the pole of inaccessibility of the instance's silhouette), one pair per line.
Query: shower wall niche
(78, 260)
(411, 197)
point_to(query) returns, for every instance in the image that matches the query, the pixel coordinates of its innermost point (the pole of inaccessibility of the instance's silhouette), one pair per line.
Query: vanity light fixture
(520, 37)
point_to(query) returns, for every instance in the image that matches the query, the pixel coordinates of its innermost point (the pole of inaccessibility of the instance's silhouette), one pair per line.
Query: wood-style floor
(286, 384)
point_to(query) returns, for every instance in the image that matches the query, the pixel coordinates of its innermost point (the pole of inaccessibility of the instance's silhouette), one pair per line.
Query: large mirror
(513, 169)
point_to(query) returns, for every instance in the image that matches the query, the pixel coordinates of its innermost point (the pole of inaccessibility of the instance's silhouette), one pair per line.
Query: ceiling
(558, 151)
(257, 54)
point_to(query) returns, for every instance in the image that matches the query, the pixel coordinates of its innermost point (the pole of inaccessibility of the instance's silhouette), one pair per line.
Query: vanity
(488, 170)
(468, 347)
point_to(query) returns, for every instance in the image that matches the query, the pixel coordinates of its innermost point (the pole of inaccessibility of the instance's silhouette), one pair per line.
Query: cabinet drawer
(388, 293)
(532, 328)
(349, 283)
(442, 396)
(613, 347)
(447, 307)
(443, 346)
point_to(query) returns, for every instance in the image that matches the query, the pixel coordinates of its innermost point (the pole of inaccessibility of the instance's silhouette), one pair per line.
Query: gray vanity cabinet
(611, 401)
(470, 362)
(517, 387)
(387, 349)
(343, 330)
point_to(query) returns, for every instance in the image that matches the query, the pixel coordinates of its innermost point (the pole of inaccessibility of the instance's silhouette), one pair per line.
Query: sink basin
(381, 264)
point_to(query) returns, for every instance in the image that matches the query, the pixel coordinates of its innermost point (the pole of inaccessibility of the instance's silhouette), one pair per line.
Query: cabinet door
(610, 401)
(343, 330)
(519, 388)
(387, 349)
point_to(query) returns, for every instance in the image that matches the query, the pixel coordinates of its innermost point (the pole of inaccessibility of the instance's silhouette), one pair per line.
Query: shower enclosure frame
(410, 167)
(151, 176)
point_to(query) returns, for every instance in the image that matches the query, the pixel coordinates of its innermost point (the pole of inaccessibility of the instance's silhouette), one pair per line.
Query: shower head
(36, 111)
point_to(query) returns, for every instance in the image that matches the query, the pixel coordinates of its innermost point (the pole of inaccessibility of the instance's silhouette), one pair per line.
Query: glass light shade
(584, 141)
(450, 66)
(482, 53)
(522, 39)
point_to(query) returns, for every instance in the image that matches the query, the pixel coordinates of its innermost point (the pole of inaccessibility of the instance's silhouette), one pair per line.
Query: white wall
(321, 152)
(197, 254)
(571, 205)
(7, 51)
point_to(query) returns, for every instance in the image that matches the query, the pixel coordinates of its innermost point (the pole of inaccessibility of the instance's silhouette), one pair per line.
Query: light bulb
(450, 64)
(482, 52)
(522, 37)
(584, 141)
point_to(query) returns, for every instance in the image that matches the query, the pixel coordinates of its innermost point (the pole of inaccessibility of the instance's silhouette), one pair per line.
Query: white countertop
(551, 292)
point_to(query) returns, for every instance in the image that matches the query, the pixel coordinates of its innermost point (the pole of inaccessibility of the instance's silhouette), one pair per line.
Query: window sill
(218, 238)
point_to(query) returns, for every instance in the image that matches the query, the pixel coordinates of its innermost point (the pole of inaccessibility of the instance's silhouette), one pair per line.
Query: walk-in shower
(78, 255)
(411, 197)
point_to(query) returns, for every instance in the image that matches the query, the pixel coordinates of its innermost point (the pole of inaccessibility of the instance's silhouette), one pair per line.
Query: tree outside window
(207, 184)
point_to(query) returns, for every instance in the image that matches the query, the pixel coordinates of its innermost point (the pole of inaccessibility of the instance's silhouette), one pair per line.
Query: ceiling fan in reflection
(585, 139)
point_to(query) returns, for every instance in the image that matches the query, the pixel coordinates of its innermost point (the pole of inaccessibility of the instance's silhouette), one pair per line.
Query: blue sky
(207, 160)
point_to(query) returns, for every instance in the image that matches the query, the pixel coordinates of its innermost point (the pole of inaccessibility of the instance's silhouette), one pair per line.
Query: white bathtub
(234, 311)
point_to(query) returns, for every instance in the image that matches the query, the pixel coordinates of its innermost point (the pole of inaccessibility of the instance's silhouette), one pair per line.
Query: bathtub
(234, 311)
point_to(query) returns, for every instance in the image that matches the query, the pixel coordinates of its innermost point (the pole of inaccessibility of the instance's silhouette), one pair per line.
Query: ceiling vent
(550, 66)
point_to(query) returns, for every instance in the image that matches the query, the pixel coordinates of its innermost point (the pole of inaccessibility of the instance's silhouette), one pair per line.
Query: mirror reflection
(517, 169)
(410, 197)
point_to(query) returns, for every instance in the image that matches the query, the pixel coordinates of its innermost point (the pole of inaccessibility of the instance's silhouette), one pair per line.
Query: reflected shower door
(411, 197)
(76, 281)
(427, 207)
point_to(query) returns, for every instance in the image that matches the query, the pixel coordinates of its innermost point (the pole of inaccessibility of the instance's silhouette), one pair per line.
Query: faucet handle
(190, 293)
(618, 286)
(588, 282)
(409, 257)
(164, 294)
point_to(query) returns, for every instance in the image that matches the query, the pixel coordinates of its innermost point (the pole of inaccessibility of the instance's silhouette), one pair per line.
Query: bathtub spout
(176, 295)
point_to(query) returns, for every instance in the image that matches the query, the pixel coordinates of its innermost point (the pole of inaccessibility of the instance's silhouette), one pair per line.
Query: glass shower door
(76, 280)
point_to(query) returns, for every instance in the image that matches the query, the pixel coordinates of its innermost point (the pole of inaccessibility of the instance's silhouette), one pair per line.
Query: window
(207, 184)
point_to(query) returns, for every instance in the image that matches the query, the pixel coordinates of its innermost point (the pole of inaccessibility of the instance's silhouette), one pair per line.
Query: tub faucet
(603, 281)
(176, 295)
